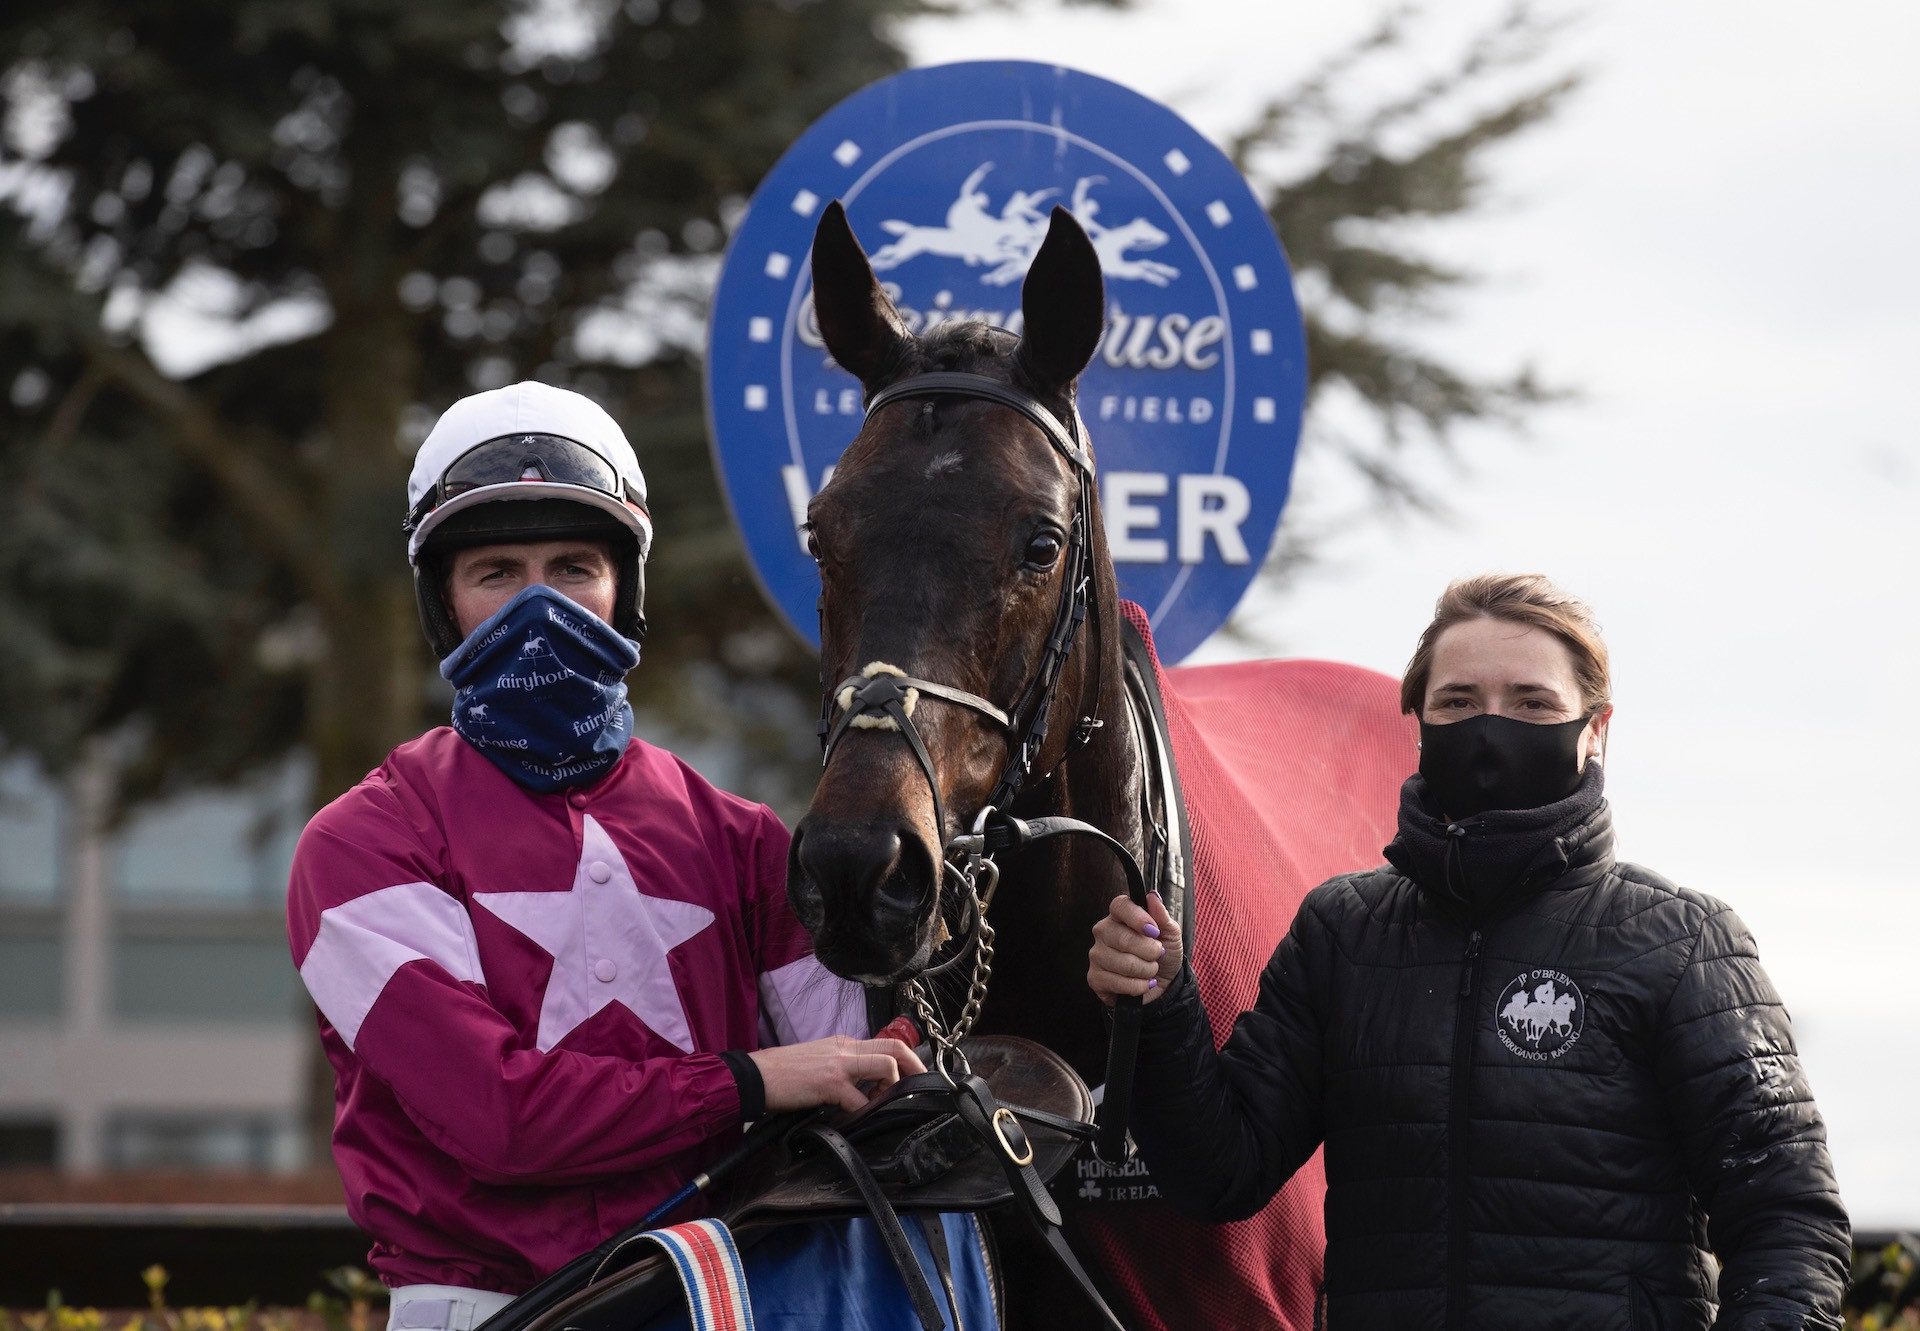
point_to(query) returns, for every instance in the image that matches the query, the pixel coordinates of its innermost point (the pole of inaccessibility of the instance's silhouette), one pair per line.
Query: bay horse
(959, 545)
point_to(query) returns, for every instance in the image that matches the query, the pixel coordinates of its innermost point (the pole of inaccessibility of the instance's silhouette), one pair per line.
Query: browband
(949, 383)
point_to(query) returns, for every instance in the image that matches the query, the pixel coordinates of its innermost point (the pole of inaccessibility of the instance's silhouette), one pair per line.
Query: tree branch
(72, 409)
(270, 508)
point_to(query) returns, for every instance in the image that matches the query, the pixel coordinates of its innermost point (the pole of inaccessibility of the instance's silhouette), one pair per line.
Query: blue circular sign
(948, 174)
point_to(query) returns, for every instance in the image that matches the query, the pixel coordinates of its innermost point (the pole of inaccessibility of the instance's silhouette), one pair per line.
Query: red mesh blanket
(1292, 772)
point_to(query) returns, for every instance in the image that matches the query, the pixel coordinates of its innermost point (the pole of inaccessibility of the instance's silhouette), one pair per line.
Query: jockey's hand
(833, 1071)
(1134, 951)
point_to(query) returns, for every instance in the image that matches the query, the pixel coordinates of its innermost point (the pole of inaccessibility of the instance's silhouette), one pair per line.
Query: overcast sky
(1715, 242)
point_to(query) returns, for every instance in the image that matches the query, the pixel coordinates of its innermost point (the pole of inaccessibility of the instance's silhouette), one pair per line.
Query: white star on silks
(609, 943)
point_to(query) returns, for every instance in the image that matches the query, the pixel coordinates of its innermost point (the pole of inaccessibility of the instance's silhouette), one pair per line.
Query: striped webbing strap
(709, 1266)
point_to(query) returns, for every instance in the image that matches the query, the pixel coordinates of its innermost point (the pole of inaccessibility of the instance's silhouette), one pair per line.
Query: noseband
(884, 697)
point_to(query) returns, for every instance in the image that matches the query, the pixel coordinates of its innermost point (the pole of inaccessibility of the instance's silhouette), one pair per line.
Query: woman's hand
(1134, 951)
(831, 1071)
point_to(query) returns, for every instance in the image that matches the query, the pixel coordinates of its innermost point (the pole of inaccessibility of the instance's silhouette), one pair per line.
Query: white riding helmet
(529, 462)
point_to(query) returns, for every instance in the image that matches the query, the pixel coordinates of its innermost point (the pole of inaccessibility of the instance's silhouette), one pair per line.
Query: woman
(1549, 1083)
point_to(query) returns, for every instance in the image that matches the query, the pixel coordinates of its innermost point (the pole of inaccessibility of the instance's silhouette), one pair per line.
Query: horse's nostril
(910, 886)
(803, 889)
(843, 864)
(853, 873)
(900, 893)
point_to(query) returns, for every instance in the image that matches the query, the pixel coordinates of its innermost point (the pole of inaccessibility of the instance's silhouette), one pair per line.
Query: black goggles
(524, 457)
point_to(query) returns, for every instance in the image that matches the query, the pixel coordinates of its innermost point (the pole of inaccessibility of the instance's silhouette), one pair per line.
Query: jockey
(555, 968)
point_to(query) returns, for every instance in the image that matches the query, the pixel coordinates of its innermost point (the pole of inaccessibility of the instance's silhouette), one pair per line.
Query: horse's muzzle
(865, 891)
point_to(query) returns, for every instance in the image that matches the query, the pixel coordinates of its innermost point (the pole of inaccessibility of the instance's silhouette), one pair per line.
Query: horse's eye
(813, 546)
(1042, 550)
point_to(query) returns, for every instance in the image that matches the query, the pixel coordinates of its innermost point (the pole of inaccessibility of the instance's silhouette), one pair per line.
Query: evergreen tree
(1353, 182)
(370, 209)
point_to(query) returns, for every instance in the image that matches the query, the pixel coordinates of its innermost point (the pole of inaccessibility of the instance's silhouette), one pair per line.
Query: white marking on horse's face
(943, 463)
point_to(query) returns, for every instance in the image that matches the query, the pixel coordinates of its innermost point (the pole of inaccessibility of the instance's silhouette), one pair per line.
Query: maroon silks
(524, 997)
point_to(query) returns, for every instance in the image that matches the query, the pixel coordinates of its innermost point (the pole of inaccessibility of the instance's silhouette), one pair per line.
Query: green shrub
(1885, 1293)
(357, 1302)
(1884, 1296)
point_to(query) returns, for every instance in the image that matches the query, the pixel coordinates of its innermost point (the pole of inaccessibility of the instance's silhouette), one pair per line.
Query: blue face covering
(539, 690)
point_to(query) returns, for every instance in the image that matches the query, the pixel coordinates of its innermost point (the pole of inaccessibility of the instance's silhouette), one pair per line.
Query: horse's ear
(1064, 306)
(861, 328)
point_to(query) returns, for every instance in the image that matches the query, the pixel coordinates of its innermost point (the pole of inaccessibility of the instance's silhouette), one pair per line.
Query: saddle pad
(833, 1274)
(1292, 772)
(702, 1252)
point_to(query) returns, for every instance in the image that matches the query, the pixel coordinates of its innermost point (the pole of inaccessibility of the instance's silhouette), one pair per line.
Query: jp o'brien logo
(1540, 1015)
(949, 176)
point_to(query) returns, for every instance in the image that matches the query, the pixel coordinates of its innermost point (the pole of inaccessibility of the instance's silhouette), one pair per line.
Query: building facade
(150, 1018)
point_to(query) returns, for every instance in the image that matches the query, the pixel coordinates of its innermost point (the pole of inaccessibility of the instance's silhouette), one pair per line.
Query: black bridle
(886, 695)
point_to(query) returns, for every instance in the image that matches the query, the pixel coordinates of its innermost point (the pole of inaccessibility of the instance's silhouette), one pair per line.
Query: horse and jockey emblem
(1540, 1015)
(1004, 241)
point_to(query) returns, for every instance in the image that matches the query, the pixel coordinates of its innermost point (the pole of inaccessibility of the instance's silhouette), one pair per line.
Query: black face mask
(1496, 762)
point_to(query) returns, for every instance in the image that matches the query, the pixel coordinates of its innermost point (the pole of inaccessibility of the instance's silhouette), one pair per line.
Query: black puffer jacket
(1548, 1083)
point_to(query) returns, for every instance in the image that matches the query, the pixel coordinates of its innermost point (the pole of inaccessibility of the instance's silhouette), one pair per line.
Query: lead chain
(946, 1039)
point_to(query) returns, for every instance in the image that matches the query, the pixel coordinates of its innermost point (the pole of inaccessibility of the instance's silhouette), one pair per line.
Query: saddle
(988, 1136)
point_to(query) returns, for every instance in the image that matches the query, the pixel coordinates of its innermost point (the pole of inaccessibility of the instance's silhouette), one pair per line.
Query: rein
(881, 696)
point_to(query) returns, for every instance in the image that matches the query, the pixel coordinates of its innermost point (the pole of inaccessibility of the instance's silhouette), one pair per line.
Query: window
(29, 835)
(32, 964)
(201, 1141)
(230, 847)
(216, 973)
(29, 1143)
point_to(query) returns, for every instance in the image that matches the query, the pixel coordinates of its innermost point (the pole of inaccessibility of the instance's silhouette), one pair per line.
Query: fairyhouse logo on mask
(949, 174)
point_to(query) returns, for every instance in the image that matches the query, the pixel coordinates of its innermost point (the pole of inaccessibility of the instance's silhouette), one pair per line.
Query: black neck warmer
(1477, 865)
